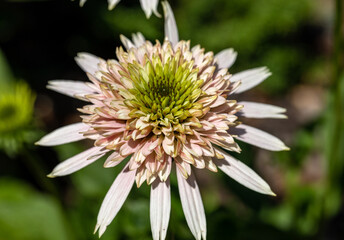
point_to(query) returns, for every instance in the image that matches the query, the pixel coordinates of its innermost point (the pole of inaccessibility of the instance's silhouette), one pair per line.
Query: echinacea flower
(148, 6)
(160, 105)
(16, 109)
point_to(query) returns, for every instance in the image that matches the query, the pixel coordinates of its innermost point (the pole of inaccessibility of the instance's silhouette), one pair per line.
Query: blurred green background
(301, 41)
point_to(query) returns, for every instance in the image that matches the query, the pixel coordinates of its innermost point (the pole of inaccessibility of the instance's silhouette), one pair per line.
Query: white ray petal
(138, 39)
(149, 7)
(242, 173)
(226, 58)
(77, 162)
(160, 207)
(115, 198)
(171, 30)
(192, 205)
(126, 42)
(250, 78)
(66, 134)
(261, 110)
(71, 88)
(112, 4)
(88, 62)
(258, 138)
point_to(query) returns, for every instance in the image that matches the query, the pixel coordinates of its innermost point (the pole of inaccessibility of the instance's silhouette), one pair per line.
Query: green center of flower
(7, 111)
(164, 90)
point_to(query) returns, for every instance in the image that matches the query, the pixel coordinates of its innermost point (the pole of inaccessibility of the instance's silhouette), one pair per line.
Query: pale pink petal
(261, 110)
(192, 205)
(66, 134)
(113, 160)
(250, 78)
(138, 39)
(112, 3)
(226, 58)
(160, 207)
(171, 30)
(242, 173)
(71, 88)
(150, 6)
(258, 138)
(78, 162)
(126, 42)
(88, 62)
(115, 198)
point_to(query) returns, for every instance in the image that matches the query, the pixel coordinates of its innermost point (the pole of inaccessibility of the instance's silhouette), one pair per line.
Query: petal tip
(273, 194)
(51, 175)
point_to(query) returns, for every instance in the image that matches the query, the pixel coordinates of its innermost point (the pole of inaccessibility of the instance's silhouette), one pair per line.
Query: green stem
(35, 168)
(335, 162)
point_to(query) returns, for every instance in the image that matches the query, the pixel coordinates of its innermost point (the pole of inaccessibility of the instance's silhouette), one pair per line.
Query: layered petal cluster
(160, 105)
(148, 6)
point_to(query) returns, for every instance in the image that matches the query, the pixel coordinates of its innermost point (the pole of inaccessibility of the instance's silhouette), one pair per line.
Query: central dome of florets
(164, 91)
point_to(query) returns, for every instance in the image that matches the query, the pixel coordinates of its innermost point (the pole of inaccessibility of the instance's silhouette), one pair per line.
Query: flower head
(163, 104)
(148, 6)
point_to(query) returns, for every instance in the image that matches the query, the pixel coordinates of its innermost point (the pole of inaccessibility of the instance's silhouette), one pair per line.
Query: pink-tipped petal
(160, 207)
(138, 39)
(78, 162)
(226, 58)
(242, 173)
(261, 110)
(115, 198)
(192, 205)
(126, 42)
(66, 134)
(258, 138)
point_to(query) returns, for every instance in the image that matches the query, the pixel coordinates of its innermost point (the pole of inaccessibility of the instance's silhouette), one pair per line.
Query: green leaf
(29, 215)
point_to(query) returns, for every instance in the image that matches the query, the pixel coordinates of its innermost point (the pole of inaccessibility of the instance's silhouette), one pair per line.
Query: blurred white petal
(77, 162)
(82, 2)
(258, 138)
(250, 78)
(160, 207)
(226, 58)
(112, 3)
(66, 134)
(171, 30)
(242, 173)
(115, 198)
(261, 110)
(192, 205)
(149, 7)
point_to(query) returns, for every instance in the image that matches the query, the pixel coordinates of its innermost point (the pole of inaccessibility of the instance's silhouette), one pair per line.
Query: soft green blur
(294, 39)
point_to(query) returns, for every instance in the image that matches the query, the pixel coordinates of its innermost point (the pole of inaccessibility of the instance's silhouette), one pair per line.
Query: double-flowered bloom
(160, 105)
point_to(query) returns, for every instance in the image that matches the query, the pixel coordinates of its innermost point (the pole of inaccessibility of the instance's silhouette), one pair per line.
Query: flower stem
(335, 161)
